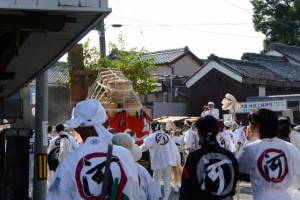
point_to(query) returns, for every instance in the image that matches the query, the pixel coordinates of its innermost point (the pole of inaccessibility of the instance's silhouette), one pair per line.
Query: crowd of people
(202, 160)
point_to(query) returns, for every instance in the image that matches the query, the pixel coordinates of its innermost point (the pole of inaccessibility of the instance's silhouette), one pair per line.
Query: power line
(190, 29)
(197, 24)
(276, 21)
(244, 9)
(141, 31)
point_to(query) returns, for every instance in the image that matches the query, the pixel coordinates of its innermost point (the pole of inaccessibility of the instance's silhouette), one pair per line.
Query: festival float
(123, 107)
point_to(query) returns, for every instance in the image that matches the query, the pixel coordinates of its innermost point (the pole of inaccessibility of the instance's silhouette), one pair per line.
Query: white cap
(87, 113)
(210, 103)
(125, 140)
(122, 139)
(136, 152)
(227, 124)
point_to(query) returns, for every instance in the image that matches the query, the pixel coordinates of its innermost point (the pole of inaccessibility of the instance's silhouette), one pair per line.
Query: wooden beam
(9, 49)
(7, 75)
(34, 22)
(84, 72)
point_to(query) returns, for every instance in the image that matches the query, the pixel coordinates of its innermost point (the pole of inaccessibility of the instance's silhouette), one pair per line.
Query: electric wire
(190, 29)
(196, 24)
(141, 31)
(228, 2)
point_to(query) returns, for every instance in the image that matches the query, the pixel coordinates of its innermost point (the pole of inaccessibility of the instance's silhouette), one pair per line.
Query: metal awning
(35, 34)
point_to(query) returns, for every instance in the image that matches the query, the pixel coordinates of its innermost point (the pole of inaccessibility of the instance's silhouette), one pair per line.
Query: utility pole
(101, 31)
(41, 124)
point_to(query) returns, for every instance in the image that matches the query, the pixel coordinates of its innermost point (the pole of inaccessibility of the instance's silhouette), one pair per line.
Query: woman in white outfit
(273, 164)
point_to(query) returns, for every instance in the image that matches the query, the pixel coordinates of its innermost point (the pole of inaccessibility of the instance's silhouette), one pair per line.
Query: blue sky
(221, 27)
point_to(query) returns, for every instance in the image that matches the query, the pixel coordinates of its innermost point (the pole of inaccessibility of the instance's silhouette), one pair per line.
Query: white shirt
(56, 141)
(239, 137)
(163, 151)
(78, 176)
(49, 138)
(190, 139)
(214, 112)
(274, 167)
(148, 189)
(225, 141)
(178, 140)
(295, 139)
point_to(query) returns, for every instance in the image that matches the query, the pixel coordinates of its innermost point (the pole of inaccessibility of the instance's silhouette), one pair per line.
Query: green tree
(278, 20)
(134, 63)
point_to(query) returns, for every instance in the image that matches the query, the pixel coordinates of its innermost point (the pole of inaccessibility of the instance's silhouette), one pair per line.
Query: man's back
(80, 174)
(162, 150)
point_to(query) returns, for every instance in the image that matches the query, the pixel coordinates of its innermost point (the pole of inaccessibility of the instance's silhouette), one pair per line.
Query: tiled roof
(248, 69)
(289, 51)
(167, 56)
(276, 64)
(58, 74)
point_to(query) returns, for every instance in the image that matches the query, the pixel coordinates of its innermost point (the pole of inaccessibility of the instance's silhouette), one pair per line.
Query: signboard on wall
(247, 107)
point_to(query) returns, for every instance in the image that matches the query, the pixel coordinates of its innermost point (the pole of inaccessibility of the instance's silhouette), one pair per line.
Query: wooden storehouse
(254, 75)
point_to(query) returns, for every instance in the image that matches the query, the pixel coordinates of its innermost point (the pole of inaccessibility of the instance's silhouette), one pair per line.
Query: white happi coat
(295, 139)
(49, 138)
(190, 139)
(225, 141)
(147, 187)
(178, 140)
(56, 141)
(274, 167)
(239, 137)
(214, 112)
(78, 176)
(162, 149)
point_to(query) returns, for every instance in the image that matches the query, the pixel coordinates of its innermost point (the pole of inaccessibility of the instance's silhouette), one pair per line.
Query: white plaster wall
(163, 70)
(185, 66)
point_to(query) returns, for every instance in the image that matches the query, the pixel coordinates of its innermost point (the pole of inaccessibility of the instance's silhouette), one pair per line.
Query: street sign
(247, 107)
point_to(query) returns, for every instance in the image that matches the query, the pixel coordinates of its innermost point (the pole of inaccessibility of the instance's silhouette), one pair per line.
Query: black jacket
(210, 172)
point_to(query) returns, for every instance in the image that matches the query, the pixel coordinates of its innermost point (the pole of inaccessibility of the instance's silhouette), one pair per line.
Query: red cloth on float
(138, 125)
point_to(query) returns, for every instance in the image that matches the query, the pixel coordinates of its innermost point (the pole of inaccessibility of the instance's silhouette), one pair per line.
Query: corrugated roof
(58, 74)
(167, 56)
(292, 52)
(276, 64)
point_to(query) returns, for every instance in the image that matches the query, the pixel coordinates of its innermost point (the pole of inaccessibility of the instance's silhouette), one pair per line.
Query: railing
(176, 94)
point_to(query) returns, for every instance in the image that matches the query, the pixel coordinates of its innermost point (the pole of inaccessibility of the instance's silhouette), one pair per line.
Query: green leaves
(278, 20)
(133, 63)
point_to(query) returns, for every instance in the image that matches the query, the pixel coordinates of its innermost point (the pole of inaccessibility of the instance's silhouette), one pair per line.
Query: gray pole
(41, 123)
(101, 31)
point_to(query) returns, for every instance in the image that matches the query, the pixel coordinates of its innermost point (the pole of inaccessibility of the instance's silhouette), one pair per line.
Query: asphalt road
(245, 193)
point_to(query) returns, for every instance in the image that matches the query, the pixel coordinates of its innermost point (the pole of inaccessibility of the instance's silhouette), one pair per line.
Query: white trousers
(166, 174)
